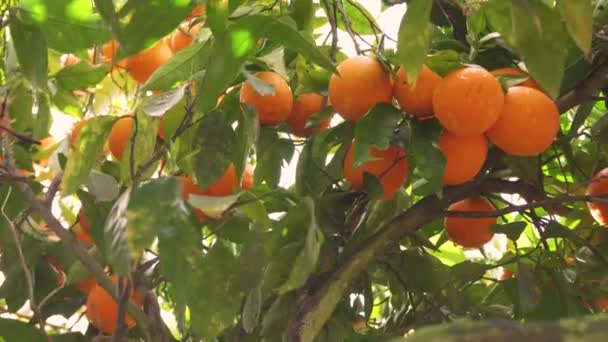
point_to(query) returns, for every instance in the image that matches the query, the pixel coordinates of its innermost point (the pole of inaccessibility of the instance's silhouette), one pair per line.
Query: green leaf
(577, 15)
(155, 209)
(69, 25)
(157, 105)
(247, 133)
(116, 246)
(96, 213)
(512, 229)
(443, 62)
(541, 47)
(272, 151)
(415, 34)
(426, 158)
(311, 178)
(528, 289)
(213, 148)
(359, 18)
(13, 330)
(145, 133)
(80, 76)
(252, 309)
(83, 156)
(374, 129)
(180, 67)
(217, 309)
(306, 261)
(42, 118)
(30, 47)
(149, 21)
(303, 13)
(435, 276)
(468, 271)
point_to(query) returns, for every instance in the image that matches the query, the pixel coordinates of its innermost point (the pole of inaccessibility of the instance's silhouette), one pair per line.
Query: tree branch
(585, 90)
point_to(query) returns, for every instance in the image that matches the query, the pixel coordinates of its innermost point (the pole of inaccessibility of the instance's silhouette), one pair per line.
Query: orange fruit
(363, 83)
(86, 285)
(224, 186)
(303, 107)
(197, 12)
(119, 136)
(83, 233)
(465, 155)
(417, 100)
(142, 65)
(598, 186)
(390, 166)
(182, 37)
(528, 124)
(504, 274)
(601, 303)
(470, 232)
(272, 109)
(109, 50)
(76, 131)
(68, 59)
(102, 309)
(468, 101)
(247, 181)
(517, 72)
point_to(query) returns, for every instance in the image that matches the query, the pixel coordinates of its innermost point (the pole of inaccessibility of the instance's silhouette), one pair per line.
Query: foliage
(200, 214)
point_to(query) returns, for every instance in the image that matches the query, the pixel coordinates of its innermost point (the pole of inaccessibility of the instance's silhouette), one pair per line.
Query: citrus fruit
(86, 285)
(76, 131)
(528, 124)
(390, 166)
(272, 108)
(598, 186)
(363, 83)
(182, 37)
(142, 65)
(468, 101)
(247, 181)
(68, 59)
(119, 136)
(197, 12)
(470, 232)
(517, 72)
(419, 99)
(303, 107)
(109, 50)
(83, 233)
(102, 309)
(465, 155)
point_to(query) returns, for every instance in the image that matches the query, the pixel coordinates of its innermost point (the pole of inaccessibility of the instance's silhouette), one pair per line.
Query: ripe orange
(417, 100)
(601, 303)
(464, 156)
(224, 186)
(83, 233)
(390, 166)
(102, 309)
(517, 72)
(142, 65)
(470, 232)
(247, 181)
(182, 37)
(196, 12)
(109, 50)
(119, 136)
(272, 109)
(76, 131)
(362, 84)
(598, 186)
(68, 59)
(468, 101)
(528, 124)
(303, 107)
(86, 285)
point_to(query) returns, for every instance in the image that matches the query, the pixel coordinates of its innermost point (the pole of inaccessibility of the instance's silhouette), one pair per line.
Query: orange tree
(226, 172)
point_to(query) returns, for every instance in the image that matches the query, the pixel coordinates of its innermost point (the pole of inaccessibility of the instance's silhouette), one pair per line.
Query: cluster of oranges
(143, 64)
(470, 105)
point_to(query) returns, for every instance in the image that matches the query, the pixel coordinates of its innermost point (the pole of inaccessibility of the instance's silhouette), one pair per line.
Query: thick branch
(588, 329)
